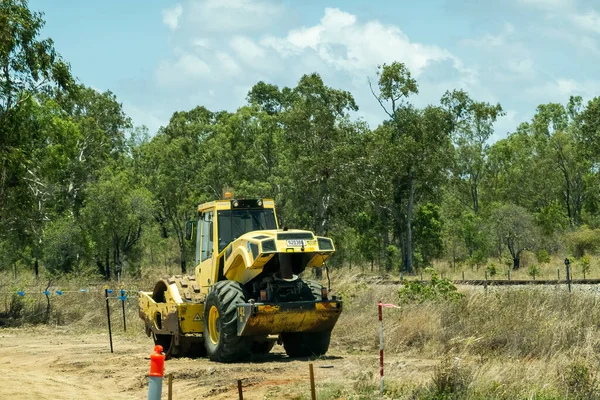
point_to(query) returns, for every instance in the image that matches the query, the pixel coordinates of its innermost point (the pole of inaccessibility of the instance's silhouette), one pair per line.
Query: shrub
(392, 255)
(492, 270)
(585, 264)
(436, 289)
(580, 381)
(543, 257)
(477, 259)
(450, 380)
(533, 271)
(583, 240)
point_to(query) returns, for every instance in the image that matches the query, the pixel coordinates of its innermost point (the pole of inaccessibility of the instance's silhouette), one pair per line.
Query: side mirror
(189, 228)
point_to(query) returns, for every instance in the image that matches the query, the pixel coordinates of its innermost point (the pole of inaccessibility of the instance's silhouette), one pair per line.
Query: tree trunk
(475, 195)
(516, 262)
(408, 265)
(567, 195)
(36, 268)
(180, 241)
(100, 266)
(404, 250)
(107, 266)
(183, 260)
(117, 256)
(386, 243)
(454, 255)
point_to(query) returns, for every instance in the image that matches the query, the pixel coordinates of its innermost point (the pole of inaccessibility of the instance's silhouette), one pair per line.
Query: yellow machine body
(175, 307)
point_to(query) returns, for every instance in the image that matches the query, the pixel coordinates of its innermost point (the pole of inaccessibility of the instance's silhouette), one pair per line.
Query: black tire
(224, 345)
(187, 347)
(306, 344)
(315, 290)
(170, 349)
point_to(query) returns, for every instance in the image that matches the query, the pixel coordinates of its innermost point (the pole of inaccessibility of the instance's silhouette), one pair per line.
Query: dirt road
(49, 364)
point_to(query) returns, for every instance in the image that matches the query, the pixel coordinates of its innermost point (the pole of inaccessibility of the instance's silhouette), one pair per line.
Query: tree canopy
(81, 187)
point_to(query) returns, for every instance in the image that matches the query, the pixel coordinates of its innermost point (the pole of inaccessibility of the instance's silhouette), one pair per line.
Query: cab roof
(228, 204)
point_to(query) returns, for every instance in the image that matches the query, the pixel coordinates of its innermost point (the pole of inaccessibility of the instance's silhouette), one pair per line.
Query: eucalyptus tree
(413, 152)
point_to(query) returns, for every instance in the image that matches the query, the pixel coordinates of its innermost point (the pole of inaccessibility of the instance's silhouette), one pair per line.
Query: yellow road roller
(246, 293)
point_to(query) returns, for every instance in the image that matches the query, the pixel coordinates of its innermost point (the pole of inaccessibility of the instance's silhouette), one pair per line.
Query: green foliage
(29, 64)
(585, 264)
(438, 289)
(542, 256)
(115, 212)
(428, 231)
(513, 226)
(392, 255)
(533, 271)
(81, 187)
(477, 259)
(66, 245)
(583, 240)
(395, 82)
(492, 270)
(581, 381)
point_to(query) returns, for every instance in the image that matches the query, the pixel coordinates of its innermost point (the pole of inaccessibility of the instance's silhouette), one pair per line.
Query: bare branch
(378, 99)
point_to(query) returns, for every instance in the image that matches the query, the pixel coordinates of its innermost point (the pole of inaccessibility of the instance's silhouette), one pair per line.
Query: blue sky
(159, 57)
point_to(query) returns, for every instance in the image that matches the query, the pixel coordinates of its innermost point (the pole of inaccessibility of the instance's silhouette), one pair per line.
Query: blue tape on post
(122, 298)
(59, 292)
(109, 290)
(47, 293)
(21, 293)
(83, 290)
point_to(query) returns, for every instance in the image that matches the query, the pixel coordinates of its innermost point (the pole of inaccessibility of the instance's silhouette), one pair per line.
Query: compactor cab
(246, 292)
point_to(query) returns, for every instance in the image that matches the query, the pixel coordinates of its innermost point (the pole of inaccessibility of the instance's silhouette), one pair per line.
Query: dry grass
(504, 343)
(550, 270)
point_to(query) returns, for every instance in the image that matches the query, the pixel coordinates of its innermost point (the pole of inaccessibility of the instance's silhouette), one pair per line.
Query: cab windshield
(234, 223)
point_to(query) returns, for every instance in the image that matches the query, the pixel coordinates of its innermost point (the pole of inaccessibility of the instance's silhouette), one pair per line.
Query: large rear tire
(220, 323)
(170, 349)
(306, 344)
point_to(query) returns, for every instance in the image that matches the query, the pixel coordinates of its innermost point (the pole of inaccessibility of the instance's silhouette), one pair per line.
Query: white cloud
(202, 42)
(221, 48)
(187, 69)
(577, 40)
(489, 41)
(142, 116)
(521, 67)
(506, 57)
(342, 49)
(341, 42)
(589, 21)
(559, 90)
(233, 15)
(245, 48)
(171, 16)
(568, 10)
(227, 63)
